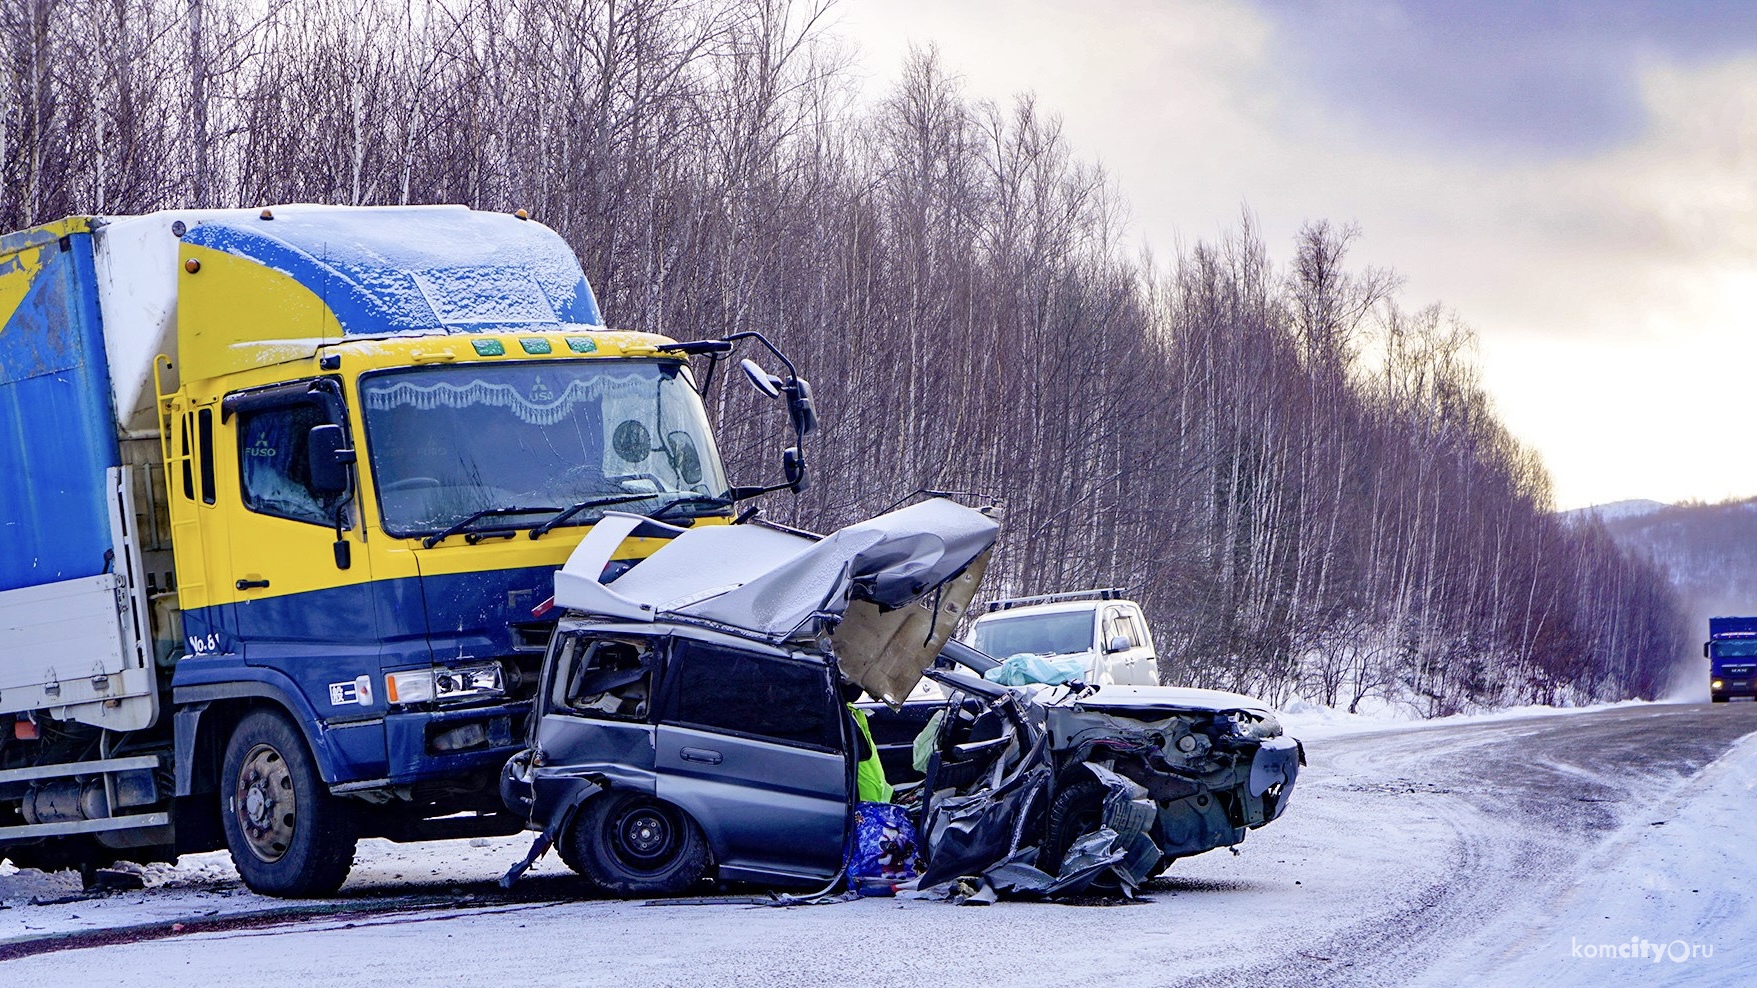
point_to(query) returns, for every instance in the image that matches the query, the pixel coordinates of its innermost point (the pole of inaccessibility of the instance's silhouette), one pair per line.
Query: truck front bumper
(435, 745)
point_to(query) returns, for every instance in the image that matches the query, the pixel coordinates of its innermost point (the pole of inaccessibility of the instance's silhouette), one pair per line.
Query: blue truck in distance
(1731, 650)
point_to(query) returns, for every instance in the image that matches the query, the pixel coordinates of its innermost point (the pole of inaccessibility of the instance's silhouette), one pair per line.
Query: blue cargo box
(57, 426)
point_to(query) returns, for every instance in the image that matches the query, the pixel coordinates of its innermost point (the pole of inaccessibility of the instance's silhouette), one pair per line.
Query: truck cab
(1731, 651)
(1103, 627)
(324, 462)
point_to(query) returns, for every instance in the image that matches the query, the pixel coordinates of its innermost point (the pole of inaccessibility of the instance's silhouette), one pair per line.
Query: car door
(1115, 664)
(751, 746)
(1144, 661)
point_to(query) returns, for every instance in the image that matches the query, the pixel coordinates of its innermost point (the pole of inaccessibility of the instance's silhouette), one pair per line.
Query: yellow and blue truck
(282, 493)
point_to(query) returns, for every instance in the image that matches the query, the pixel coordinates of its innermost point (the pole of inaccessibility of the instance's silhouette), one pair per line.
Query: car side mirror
(1118, 643)
(328, 456)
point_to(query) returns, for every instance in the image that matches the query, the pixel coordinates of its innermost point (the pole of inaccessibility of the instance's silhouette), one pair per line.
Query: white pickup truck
(1110, 630)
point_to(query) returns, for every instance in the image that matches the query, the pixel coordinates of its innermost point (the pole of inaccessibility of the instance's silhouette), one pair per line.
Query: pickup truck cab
(1108, 629)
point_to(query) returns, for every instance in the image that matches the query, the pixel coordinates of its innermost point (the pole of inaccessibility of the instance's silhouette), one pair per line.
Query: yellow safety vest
(870, 773)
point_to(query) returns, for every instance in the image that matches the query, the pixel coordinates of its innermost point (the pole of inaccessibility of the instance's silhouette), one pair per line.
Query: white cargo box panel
(63, 649)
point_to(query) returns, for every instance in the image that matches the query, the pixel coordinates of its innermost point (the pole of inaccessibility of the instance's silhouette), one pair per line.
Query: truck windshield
(448, 442)
(1735, 650)
(1041, 634)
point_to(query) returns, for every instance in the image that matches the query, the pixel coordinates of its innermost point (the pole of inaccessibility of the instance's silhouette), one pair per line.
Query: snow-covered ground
(1486, 849)
(1669, 898)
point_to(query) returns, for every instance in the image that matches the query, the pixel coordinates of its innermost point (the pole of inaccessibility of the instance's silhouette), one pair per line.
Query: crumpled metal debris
(967, 833)
(1129, 814)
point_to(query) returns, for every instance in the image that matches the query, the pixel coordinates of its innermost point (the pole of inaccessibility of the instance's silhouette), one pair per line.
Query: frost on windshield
(450, 441)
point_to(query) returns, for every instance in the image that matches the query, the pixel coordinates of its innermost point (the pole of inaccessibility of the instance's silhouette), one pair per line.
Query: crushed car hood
(892, 588)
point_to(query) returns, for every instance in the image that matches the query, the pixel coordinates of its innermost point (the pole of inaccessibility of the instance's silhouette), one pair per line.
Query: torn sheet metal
(1129, 814)
(970, 832)
(893, 587)
(885, 651)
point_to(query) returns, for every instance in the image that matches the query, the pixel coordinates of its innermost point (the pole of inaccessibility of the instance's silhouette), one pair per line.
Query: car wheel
(1077, 811)
(630, 844)
(287, 834)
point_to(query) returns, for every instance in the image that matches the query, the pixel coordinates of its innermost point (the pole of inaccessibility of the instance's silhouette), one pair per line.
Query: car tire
(630, 844)
(1077, 810)
(288, 836)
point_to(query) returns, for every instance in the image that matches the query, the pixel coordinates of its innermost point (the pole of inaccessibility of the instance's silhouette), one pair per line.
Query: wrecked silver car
(1140, 775)
(691, 722)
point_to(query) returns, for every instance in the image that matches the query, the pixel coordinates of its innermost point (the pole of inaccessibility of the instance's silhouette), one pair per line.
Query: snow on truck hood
(779, 585)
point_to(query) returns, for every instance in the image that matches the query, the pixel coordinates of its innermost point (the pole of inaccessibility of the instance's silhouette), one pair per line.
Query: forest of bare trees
(1297, 473)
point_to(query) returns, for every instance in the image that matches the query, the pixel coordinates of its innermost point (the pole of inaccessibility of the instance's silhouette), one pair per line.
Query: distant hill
(1618, 510)
(1708, 550)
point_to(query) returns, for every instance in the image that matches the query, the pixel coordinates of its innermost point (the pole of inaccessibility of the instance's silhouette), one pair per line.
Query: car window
(724, 689)
(1114, 625)
(1053, 633)
(605, 677)
(1131, 628)
(272, 461)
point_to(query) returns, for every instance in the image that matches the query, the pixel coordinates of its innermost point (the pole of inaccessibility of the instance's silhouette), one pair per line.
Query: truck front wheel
(287, 834)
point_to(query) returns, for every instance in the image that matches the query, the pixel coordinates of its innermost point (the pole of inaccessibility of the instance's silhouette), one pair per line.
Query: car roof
(1059, 607)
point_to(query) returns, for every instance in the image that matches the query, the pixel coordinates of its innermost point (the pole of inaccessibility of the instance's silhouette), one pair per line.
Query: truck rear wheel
(288, 836)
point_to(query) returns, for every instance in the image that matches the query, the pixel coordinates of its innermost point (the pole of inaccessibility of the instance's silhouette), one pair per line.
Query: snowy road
(1502, 850)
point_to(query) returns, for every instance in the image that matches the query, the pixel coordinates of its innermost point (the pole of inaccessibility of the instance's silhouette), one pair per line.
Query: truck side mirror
(328, 455)
(1118, 643)
(799, 406)
(765, 382)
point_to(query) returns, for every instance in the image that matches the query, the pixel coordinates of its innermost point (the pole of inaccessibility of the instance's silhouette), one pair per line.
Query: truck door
(751, 746)
(295, 609)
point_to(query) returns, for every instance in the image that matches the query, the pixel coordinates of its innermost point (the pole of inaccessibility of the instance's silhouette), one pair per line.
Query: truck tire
(630, 844)
(288, 836)
(1718, 697)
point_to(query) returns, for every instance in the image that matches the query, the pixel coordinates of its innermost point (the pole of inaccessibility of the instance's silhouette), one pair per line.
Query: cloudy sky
(1578, 181)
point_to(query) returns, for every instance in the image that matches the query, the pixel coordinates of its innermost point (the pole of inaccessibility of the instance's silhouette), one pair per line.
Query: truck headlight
(445, 683)
(1717, 684)
(468, 682)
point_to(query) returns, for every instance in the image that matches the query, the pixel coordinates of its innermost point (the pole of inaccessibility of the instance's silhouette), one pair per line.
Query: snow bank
(1304, 719)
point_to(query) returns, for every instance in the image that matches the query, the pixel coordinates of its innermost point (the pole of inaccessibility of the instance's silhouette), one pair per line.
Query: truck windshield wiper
(471, 519)
(707, 499)
(591, 502)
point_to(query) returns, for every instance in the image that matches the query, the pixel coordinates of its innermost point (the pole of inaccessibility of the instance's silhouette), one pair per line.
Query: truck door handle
(251, 584)
(705, 755)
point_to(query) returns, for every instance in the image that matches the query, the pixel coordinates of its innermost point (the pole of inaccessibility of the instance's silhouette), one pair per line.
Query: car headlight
(445, 683)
